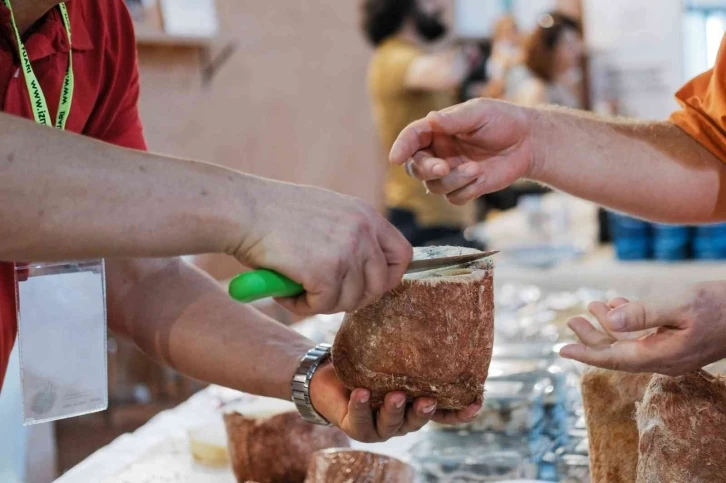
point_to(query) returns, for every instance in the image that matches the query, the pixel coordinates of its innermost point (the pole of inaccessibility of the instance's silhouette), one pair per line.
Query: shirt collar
(49, 35)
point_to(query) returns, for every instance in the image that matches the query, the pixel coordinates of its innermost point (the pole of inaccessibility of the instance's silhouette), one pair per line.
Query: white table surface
(158, 451)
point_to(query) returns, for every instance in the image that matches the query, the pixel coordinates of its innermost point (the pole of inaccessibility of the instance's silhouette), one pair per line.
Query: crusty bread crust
(609, 398)
(341, 465)
(276, 449)
(430, 336)
(682, 424)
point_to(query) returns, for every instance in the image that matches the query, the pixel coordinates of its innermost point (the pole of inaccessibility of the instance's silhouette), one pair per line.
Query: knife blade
(259, 284)
(426, 264)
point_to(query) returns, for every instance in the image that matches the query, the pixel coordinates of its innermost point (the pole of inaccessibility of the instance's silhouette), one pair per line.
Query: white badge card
(62, 339)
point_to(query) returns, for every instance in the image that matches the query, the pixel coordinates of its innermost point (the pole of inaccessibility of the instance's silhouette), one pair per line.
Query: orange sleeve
(703, 101)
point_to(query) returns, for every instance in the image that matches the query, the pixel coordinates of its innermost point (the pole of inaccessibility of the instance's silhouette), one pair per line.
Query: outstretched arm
(653, 170)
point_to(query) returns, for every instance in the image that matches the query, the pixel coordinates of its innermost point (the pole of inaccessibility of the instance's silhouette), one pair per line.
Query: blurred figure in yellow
(552, 72)
(407, 82)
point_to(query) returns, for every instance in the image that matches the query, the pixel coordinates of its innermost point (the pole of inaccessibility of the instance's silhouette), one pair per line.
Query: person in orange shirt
(670, 172)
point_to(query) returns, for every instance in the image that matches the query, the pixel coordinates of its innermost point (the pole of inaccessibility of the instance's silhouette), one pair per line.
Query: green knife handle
(259, 284)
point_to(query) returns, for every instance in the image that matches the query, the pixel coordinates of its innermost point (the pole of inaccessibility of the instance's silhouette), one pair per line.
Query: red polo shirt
(104, 101)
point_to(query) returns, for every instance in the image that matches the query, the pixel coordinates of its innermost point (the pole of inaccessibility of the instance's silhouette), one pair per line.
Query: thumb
(414, 137)
(461, 118)
(637, 316)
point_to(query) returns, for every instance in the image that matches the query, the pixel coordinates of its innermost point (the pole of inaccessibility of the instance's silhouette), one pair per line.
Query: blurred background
(284, 90)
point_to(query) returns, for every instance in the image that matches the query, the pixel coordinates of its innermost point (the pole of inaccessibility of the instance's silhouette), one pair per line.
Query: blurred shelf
(153, 37)
(151, 31)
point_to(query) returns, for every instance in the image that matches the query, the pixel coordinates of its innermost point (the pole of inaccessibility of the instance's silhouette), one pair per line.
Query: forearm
(179, 316)
(66, 196)
(650, 169)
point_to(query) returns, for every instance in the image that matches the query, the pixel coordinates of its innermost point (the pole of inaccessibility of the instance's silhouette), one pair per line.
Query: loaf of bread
(682, 425)
(342, 465)
(275, 447)
(609, 398)
(430, 336)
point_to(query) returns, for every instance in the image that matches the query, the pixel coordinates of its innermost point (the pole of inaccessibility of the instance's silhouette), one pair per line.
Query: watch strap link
(301, 383)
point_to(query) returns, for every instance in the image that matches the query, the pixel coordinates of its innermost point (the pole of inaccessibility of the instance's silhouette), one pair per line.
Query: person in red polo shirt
(64, 196)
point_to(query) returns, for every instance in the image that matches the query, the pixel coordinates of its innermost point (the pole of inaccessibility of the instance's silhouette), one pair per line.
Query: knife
(259, 284)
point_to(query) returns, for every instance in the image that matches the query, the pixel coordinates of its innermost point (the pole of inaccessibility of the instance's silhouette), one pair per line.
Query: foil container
(573, 468)
(450, 457)
(511, 406)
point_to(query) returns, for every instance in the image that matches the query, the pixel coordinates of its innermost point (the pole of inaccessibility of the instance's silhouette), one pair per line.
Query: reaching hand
(340, 249)
(468, 150)
(352, 412)
(671, 336)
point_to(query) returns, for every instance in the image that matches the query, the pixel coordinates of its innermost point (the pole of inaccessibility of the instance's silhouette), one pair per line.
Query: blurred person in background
(506, 48)
(479, 83)
(551, 73)
(89, 189)
(406, 82)
(498, 56)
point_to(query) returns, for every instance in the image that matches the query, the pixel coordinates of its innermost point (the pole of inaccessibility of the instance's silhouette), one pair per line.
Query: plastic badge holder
(62, 338)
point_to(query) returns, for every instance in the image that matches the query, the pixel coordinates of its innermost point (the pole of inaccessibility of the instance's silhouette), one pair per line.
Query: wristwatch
(301, 383)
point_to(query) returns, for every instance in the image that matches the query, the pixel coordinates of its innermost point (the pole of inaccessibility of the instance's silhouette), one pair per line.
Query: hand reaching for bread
(352, 412)
(672, 335)
(468, 150)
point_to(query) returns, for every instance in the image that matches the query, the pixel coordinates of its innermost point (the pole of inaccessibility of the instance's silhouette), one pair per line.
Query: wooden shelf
(150, 32)
(150, 38)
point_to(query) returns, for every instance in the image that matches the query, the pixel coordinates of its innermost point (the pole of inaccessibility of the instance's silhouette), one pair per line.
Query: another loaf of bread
(342, 465)
(609, 398)
(276, 447)
(430, 336)
(682, 424)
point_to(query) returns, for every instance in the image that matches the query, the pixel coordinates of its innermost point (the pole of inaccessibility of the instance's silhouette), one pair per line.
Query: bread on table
(682, 424)
(609, 399)
(273, 444)
(430, 336)
(343, 465)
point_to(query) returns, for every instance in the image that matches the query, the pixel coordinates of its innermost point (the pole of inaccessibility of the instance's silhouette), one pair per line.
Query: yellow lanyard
(37, 98)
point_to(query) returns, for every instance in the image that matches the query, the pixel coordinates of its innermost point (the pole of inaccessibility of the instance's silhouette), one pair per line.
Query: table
(159, 448)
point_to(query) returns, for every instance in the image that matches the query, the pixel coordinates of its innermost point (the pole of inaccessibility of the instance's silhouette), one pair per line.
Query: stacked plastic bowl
(631, 237)
(709, 242)
(639, 240)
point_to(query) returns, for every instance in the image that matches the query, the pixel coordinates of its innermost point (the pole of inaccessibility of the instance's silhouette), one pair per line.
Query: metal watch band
(301, 383)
